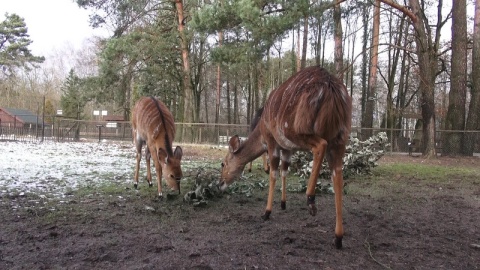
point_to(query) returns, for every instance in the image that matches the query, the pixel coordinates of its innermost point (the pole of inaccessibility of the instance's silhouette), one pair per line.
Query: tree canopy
(14, 42)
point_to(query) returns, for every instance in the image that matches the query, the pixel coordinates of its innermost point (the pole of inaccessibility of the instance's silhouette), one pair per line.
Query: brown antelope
(153, 125)
(253, 125)
(311, 111)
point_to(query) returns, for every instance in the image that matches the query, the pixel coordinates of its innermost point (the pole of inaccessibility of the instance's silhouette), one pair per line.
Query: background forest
(407, 64)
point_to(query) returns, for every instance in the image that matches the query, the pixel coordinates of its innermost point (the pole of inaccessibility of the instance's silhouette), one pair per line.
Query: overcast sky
(52, 24)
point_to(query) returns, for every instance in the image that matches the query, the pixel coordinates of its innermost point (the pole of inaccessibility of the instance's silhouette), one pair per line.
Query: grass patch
(413, 181)
(103, 188)
(433, 173)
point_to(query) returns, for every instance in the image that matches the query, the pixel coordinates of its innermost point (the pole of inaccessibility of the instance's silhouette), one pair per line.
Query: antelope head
(233, 164)
(171, 169)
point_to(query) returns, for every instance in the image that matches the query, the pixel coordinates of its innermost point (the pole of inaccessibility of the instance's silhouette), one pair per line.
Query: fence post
(99, 132)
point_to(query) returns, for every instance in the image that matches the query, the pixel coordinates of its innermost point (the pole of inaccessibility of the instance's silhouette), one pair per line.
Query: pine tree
(72, 101)
(14, 42)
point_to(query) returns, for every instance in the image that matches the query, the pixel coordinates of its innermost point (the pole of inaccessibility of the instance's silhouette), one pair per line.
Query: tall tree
(338, 39)
(394, 54)
(219, 81)
(72, 99)
(250, 29)
(303, 63)
(187, 87)
(427, 43)
(372, 80)
(455, 120)
(473, 119)
(14, 42)
(364, 65)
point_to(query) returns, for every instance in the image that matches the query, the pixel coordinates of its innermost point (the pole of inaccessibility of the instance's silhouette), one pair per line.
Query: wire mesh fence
(62, 129)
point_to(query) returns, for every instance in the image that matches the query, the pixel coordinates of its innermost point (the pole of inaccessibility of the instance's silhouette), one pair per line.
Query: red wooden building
(18, 118)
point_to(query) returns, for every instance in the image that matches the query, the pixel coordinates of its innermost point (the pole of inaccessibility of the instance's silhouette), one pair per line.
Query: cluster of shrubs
(359, 159)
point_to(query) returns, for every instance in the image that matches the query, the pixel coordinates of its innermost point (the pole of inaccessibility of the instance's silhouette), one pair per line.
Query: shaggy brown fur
(153, 125)
(311, 111)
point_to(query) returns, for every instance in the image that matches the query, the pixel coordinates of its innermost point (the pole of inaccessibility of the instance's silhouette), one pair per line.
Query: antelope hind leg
(318, 154)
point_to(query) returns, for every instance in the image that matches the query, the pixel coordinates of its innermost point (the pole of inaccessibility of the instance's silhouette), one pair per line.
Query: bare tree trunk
(338, 36)
(365, 19)
(205, 101)
(219, 82)
(473, 119)
(403, 82)
(352, 60)
(318, 47)
(372, 81)
(294, 55)
(427, 61)
(298, 65)
(236, 114)
(187, 87)
(305, 42)
(455, 120)
(229, 108)
(392, 111)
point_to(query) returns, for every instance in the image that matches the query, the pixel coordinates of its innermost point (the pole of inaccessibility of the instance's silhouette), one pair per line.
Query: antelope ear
(234, 144)
(162, 153)
(178, 153)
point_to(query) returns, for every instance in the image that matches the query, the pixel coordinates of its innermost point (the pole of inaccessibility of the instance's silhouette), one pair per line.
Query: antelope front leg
(274, 161)
(318, 154)
(158, 171)
(149, 173)
(138, 157)
(137, 168)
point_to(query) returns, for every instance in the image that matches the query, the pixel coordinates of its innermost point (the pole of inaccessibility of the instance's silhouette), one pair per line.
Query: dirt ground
(392, 222)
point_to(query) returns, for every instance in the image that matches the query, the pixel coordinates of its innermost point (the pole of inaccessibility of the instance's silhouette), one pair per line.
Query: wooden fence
(62, 130)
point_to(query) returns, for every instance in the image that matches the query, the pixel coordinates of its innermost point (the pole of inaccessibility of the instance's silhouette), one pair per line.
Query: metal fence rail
(62, 129)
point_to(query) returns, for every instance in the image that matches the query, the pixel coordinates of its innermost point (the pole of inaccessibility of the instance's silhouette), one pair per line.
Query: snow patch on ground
(56, 168)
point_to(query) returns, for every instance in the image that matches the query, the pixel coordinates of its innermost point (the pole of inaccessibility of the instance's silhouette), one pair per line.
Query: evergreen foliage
(73, 98)
(250, 27)
(359, 159)
(14, 42)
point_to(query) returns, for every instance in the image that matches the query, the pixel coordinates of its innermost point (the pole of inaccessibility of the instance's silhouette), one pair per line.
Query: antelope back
(150, 117)
(153, 123)
(311, 104)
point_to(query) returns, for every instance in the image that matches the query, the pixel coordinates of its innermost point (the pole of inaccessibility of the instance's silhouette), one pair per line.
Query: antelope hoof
(150, 184)
(135, 185)
(283, 204)
(266, 216)
(338, 242)
(312, 209)
(160, 197)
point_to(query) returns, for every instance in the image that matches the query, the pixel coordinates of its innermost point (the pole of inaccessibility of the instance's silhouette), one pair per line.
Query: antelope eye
(223, 164)
(172, 176)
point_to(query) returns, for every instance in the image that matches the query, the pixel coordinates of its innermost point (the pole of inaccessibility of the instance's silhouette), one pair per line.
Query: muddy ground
(391, 221)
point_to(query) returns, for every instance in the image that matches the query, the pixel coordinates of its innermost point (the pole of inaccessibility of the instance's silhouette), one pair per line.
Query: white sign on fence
(111, 125)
